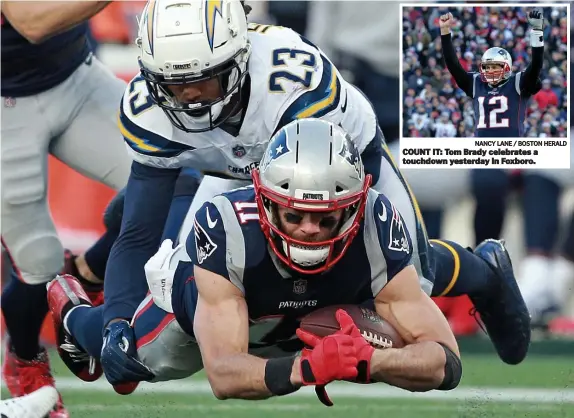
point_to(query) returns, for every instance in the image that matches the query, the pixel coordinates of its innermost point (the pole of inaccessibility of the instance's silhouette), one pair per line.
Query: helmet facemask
(494, 76)
(203, 115)
(303, 256)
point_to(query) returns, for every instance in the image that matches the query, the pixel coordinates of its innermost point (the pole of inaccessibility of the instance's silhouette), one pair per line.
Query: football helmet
(312, 166)
(497, 56)
(192, 41)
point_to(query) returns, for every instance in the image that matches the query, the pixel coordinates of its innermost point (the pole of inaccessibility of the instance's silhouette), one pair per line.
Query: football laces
(376, 340)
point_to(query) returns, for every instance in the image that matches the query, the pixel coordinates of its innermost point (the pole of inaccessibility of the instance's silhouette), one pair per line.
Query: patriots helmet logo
(212, 9)
(277, 148)
(351, 154)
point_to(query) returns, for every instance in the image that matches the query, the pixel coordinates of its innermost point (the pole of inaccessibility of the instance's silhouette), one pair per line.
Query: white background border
(560, 157)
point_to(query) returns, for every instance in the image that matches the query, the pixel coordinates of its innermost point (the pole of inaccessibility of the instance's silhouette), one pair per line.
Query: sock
(97, 255)
(540, 205)
(86, 323)
(24, 307)
(458, 271)
(490, 188)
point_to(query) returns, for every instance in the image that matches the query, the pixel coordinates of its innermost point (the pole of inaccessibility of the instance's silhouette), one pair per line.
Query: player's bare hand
(445, 23)
(536, 19)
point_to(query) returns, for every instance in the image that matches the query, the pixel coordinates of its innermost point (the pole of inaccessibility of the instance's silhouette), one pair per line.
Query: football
(378, 332)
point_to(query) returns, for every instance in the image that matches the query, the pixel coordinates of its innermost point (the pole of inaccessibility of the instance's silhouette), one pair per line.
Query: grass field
(537, 388)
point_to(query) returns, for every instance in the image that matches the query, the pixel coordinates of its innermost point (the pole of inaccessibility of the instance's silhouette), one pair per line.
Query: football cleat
(37, 404)
(64, 293)
(503, 311)
(24, 377)
(126, 388)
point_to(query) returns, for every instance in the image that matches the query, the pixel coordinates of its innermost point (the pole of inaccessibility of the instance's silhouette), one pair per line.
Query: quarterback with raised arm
(499, 95)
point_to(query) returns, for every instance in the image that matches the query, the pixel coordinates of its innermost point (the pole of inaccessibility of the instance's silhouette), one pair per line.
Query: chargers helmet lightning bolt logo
(149, 20)
(212, 8)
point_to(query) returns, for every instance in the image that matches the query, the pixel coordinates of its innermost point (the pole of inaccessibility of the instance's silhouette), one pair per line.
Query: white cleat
(37, 404)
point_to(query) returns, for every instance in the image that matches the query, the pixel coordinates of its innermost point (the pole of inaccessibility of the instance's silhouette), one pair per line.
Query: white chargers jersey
(290, 79)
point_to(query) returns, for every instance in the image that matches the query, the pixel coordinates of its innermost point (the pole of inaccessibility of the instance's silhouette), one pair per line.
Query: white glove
(159, 272)
(536, 19)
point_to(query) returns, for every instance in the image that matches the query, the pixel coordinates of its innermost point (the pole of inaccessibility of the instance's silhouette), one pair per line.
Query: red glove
(363, 349)
(331, 358)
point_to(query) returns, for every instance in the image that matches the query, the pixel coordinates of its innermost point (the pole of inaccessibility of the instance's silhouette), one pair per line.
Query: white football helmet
(188, 41)
(497, 56)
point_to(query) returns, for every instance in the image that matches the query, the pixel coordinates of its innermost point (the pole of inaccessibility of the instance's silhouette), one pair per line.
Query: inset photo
(497, 71)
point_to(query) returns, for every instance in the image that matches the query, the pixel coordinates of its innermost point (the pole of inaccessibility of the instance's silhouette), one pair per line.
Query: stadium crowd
(432, 103)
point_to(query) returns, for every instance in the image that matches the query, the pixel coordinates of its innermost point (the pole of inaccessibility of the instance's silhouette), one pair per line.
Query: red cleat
(23, 377)
(125, 388)
(64, 293)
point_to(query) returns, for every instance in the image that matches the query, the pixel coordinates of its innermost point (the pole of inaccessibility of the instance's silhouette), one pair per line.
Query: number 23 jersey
(290, 79)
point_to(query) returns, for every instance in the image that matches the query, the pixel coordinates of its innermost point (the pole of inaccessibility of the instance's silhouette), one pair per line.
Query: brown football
(378, 332)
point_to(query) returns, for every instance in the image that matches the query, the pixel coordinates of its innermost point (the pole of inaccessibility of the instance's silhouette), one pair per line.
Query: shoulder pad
(217, 242)
(145, 127)
(389, 245)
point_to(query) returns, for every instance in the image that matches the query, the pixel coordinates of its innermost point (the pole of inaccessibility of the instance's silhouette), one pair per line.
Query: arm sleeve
(463, 79)
(373, 154)
(147, 201)
(530, 82)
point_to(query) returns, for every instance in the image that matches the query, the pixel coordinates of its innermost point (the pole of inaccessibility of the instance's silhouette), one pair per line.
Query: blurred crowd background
(431, 97)
(532, 210)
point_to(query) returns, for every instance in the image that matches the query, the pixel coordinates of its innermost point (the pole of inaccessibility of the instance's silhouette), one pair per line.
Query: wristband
(278, 375)
(536, 38)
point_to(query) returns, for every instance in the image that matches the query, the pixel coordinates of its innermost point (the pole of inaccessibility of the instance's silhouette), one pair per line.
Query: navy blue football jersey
(499, 111)
(227, 240)
(29, 69)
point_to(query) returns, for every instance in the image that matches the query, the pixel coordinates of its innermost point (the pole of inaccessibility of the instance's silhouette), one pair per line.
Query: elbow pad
(452, 370)
(536, 38)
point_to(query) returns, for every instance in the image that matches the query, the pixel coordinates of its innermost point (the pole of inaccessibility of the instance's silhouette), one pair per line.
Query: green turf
(479, 370)
(98, 405)
(484, 371)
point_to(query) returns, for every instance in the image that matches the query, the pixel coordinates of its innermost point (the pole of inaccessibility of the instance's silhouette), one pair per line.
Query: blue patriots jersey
(499, 111)
(29, 69)
(227, 240)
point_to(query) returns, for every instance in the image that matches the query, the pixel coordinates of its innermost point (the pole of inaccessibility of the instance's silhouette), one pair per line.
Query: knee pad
(37, 259)
(114, 212)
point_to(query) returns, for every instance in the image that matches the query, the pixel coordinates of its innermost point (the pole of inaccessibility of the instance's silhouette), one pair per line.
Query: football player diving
(233, 306)
(212, 92)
